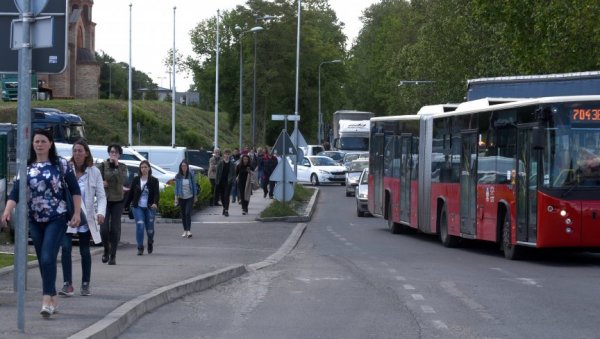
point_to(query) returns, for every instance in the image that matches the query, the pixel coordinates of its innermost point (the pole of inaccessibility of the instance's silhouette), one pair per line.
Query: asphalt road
(350, 278)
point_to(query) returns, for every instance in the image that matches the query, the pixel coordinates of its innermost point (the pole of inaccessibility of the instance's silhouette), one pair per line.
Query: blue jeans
(86, 257)
(46, 237)
(186, 212)
(144, 219)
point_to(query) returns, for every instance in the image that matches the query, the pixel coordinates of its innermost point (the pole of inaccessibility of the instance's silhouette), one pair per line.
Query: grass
(106, 121)
(7, 259)
(294, 207)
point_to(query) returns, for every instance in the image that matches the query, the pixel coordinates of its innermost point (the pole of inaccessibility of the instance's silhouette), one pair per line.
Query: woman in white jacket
(92, 194)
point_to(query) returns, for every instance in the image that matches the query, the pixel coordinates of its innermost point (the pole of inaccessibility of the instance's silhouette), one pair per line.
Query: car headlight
(363, 195)
(323, 172)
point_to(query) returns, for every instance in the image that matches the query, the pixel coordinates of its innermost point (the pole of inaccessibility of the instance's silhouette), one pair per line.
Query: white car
(164, 177)
(362, 194)
(318, 170)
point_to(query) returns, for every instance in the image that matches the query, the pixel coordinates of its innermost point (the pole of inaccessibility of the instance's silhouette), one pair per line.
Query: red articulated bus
(517, 172)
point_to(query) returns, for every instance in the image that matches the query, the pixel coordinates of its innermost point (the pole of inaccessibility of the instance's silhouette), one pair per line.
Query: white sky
(152, 29)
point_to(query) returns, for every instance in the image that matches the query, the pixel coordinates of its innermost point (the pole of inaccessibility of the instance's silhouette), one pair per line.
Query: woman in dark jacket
(244, 173)
(143, 197)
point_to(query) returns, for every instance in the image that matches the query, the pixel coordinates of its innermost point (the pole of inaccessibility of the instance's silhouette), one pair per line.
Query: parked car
(350, 156)
(164, 177)
(355, 169)
(166, 157)
(320, 169)
(338, 156)
(311, 149)
(362, 194)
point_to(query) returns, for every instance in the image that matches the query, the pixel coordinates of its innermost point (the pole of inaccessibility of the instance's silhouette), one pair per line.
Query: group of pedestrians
(97, 192)
(234, 179)
(102, 194)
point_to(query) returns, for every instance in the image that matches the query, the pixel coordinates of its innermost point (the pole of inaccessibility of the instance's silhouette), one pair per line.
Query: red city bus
(517, 172)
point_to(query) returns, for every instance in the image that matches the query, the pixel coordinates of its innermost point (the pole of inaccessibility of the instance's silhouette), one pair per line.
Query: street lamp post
(320, 124)
(109, 78)
(256, 18)
(129, 103)
(251, 30)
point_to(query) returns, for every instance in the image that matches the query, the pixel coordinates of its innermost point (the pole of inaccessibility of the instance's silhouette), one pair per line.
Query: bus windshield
(573, 156)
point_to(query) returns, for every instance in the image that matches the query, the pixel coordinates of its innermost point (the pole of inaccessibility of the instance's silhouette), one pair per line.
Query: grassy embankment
(106, 121)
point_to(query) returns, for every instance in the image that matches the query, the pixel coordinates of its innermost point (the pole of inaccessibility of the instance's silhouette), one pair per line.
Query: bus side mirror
(538, 138)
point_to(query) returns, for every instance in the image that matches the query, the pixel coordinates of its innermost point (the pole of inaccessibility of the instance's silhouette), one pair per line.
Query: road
(350, 278)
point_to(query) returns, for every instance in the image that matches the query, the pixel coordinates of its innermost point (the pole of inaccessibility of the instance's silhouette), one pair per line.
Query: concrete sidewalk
(221, 248)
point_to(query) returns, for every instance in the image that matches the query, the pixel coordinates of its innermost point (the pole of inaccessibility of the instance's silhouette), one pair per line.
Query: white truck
(350, 131)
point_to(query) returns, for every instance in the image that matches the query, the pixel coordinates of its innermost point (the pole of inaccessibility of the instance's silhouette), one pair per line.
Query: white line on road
(408, 287)
(427, 309)
(400, 278)
(440, 325)
(417, 297)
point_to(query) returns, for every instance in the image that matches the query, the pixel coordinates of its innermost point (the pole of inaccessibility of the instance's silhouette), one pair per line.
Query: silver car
(362, 194)
(355, 169)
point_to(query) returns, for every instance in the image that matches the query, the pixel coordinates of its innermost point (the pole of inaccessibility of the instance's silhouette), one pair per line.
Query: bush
(166, 206)
(205, 193)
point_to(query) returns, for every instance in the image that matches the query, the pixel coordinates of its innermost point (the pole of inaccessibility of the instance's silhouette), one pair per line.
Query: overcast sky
(152, 29)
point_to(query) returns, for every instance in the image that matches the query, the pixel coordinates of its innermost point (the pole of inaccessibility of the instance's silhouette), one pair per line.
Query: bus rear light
(568, 230)
(550, 208)
(563, 213)
(568, 221)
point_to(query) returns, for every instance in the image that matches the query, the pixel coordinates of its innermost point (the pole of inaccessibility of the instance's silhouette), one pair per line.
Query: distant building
(163, 94)
(82, 75)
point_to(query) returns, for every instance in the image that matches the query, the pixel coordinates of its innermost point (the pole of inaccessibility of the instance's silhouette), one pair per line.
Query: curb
(123, 316)
(308, 212)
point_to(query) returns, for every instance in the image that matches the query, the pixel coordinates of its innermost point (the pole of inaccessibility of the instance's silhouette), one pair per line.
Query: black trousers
(110, 231)
(224, 191)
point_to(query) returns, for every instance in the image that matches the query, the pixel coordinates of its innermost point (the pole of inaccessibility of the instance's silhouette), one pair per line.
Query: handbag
(69, 200)
(253, 180)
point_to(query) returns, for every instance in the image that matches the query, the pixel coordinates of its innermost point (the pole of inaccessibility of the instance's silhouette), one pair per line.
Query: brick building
(82, 75)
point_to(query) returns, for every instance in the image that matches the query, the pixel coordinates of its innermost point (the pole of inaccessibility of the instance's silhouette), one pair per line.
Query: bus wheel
(314, 180)
(511, 251)
(446, 239)
(395, 228)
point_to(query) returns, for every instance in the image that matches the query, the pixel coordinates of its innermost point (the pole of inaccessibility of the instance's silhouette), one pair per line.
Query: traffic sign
(284, 146)
(301, 141)
(278, 175)
(37, 6)
(282, 187)
(44, 60)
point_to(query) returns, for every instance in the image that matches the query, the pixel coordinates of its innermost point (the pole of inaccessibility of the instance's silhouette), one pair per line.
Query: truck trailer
(535, 86)
(354, 130)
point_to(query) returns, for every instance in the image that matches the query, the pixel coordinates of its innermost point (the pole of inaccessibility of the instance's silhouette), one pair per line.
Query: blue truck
(535, 86)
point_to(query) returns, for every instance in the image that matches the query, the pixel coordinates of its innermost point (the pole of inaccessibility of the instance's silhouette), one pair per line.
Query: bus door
(376, 164)
(405, 176)
(527, 185)
(468, 182)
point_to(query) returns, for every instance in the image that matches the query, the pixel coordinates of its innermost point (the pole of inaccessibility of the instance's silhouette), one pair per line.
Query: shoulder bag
(69, 199)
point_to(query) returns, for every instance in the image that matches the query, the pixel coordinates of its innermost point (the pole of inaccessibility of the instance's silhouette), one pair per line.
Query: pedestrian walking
(235, 158)
(92, 194)
(114, 175)
(143, 200)
(269, 164)
(47, 209)
(212, 175)
(186, 194)
(225, 178)
(244, 175)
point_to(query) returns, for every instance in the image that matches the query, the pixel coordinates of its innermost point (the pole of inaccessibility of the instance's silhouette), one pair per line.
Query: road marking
(348, 244)
(427, 309)
(392, 270)
(343, 239)
(417, 297)
(440, 325)
(400, 278)
(224, 222)
(384, 263)
(528, 281)
(450, 288)
(408, 287)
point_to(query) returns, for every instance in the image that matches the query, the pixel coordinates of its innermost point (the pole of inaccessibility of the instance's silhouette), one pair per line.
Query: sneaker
(67, 290)
(85, 289)
(46, 311)
(189, 234)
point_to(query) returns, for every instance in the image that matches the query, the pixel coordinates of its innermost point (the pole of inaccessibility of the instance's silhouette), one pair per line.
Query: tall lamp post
(109, 78)
(256, 18)
(320, 129)
(251, 30)
(129, 103)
